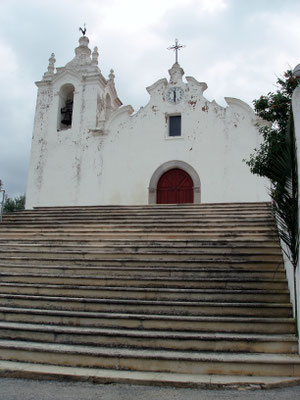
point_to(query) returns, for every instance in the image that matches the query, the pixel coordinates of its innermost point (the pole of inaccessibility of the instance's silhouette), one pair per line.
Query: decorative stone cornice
(193, 81)
(155, 85)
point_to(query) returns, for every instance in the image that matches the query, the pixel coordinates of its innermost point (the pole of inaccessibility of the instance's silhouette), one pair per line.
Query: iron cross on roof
(176, 47)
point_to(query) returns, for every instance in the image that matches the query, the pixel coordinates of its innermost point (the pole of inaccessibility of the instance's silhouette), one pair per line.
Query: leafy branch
(276, 159)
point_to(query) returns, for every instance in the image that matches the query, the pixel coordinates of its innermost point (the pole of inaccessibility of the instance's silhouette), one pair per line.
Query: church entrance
(175, 187)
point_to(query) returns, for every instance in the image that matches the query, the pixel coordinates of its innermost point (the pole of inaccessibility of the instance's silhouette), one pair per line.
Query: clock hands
(174, 95)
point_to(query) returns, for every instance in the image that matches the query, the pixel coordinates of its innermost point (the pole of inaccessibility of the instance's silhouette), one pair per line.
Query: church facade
(89, 149)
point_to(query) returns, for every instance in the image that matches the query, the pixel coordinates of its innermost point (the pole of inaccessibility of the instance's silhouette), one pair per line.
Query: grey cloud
(242, 33)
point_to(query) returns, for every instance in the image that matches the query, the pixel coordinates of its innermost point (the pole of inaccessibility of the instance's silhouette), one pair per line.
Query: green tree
(12, 205)
(276, 159)
(276, 109)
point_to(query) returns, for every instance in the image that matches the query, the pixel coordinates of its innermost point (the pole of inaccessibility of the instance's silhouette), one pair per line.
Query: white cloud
(8, 64)
(8, 71)
(212, 6)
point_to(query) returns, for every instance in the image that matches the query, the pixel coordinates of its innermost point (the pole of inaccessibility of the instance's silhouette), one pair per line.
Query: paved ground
(20, 389)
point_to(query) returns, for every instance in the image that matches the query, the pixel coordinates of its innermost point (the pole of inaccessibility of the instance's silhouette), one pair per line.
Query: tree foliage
(15, 204)
(275, 108)
(276, 159)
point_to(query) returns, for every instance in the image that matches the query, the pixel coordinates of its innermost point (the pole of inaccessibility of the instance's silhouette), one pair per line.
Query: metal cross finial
(176, 47)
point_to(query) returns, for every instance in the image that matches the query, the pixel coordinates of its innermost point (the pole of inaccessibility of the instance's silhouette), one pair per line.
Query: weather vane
(176, 47)
(83, 31)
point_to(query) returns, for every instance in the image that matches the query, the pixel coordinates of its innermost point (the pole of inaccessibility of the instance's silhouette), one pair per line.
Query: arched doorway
(167, 166)
(175, 187)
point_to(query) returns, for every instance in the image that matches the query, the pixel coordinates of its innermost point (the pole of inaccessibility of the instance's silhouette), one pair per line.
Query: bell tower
(74, 103)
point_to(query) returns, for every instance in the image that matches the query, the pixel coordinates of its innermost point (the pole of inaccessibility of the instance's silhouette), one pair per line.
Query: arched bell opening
(65, 106)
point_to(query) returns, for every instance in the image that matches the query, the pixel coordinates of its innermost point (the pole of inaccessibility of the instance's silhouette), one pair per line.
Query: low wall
(296, 114)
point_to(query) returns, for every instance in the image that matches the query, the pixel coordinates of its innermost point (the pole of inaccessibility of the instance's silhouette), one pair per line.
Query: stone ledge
(103, 376)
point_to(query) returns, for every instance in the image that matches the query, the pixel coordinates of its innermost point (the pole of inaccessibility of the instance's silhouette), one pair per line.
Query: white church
(89, 149)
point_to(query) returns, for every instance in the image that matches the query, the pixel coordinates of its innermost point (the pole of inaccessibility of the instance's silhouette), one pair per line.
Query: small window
(175, 125)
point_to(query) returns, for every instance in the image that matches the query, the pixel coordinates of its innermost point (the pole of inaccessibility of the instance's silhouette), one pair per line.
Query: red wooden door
(175, 186)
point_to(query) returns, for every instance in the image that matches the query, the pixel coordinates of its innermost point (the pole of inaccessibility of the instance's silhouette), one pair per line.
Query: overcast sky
(238, 47)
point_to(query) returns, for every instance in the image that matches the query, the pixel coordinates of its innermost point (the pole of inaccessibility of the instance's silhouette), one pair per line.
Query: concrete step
(152, 360)
(188, 308)
(184, 273)
(150, 339)
(249, 204)
(234, 225)
(147, 235)
(234, 245)
(96, 254)
(180, 208)
(164, 209)
(156, 208)
(141, 227)
(123, 225)
(222, 221)
(144, 263)
(201, 209)
(191, 217)
(138, 293)
(138, 249)
(147, 210)
(139, 232)
(27, 370)
(236, 282)
(213, 324)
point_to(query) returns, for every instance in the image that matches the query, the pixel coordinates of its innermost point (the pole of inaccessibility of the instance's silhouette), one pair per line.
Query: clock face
(174, 95)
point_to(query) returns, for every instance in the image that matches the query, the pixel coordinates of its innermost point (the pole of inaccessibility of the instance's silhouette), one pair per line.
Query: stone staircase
(181, 295)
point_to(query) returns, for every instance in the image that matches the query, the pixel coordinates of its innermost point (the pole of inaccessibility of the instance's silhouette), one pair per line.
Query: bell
(67, 111)
(67, 119)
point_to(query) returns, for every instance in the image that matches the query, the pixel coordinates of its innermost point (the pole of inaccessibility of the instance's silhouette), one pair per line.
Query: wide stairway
(191, 295)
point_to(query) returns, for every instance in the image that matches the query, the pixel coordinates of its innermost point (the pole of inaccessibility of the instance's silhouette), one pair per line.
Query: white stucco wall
(214, 142)
(105, 159)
